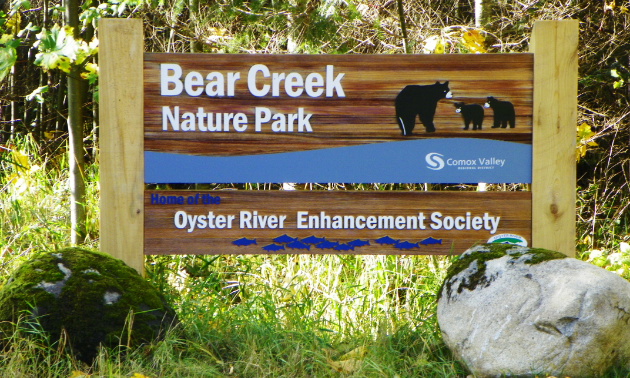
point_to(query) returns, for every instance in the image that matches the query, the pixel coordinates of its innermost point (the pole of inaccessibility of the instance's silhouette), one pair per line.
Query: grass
(241, 316)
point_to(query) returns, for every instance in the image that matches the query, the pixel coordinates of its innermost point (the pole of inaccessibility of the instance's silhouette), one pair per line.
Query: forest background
(281, 315)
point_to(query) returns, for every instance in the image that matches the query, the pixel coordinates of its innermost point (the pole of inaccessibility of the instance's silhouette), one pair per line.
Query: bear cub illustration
(503, 112)
(419, 100)
(470, 112)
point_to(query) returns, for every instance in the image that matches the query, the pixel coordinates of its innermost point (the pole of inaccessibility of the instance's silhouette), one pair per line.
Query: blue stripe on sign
(449, 160)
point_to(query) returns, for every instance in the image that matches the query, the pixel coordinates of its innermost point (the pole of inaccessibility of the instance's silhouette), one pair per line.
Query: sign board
(360, 222)
(335, 118)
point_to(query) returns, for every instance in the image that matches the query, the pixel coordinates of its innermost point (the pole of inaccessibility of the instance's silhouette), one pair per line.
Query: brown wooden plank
(163, 237)
(365, 115)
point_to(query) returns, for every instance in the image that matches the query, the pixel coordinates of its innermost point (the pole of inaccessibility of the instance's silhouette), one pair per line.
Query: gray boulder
(515, 311)
(88, 294)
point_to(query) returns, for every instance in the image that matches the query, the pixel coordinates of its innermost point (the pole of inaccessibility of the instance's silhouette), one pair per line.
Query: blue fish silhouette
(326, 244)
(244, 241)
(358, 243)
(405, 245)
(284, 239)
(312, 240)
(343, 247)
(386, 240)
(431, 240)
(298, 245)
(273, 247)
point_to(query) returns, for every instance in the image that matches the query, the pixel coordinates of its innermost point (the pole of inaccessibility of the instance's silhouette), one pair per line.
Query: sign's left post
(122, 140)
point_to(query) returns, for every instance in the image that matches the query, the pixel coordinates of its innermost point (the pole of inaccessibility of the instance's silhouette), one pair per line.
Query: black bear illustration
(503, 112)
(419, 100)
(470, 112)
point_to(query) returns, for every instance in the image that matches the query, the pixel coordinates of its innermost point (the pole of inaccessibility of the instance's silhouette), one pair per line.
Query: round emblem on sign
(508, 239)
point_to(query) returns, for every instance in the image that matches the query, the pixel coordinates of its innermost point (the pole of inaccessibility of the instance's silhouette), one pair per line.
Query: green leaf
(7, 60)
(37, 94)
(91, 74)
(614, 73)
(32, 28)
(86, 4)
(47, 61)
(15, 43)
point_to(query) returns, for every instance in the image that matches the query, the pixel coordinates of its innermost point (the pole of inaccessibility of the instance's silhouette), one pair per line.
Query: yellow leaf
(584, 131)
(355, 353)
(220, 32)
(345, 366)
(138, 375)
(5, 38)
(48, 135)
(21, 161)
(439, 47)
(12, 177)
(78, 374)
(580, 152)
(473, 41)
(68, 30)
(63, 63)
(91, 67)
(473, 36)
(13, 22)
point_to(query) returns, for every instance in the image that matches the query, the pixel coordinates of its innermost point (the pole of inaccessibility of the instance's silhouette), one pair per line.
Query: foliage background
(288, 315)
(342, 27)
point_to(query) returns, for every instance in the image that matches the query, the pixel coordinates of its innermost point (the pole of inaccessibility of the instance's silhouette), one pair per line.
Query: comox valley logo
(435, 161)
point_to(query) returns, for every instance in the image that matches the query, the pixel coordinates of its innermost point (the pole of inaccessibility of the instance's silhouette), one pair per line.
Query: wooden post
(554, 44)
(122, 144)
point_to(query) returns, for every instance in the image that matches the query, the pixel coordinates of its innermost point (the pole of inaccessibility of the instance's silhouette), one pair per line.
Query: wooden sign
(335, 118)
(357, 222)
(383, 118)
(345, 118)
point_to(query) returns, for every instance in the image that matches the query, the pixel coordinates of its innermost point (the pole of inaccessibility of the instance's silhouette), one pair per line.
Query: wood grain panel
(365, 115)
(163, 237)
(555, 44)
(121, 141)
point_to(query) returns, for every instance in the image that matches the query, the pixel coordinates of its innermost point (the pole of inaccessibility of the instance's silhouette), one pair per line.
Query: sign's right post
(554, 44)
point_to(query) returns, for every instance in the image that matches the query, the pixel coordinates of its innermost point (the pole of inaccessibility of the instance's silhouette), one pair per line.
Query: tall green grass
(34, 202)
(273, 316)
(245, 316)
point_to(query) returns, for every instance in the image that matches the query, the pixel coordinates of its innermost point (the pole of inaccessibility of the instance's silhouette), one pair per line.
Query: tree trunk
(482, 13)
(403, 27)
(75, 130)
(195, 45)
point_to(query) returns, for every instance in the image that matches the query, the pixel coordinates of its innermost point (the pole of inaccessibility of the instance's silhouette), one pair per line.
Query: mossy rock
(508, 310)
(474, 260)
(89, 294)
